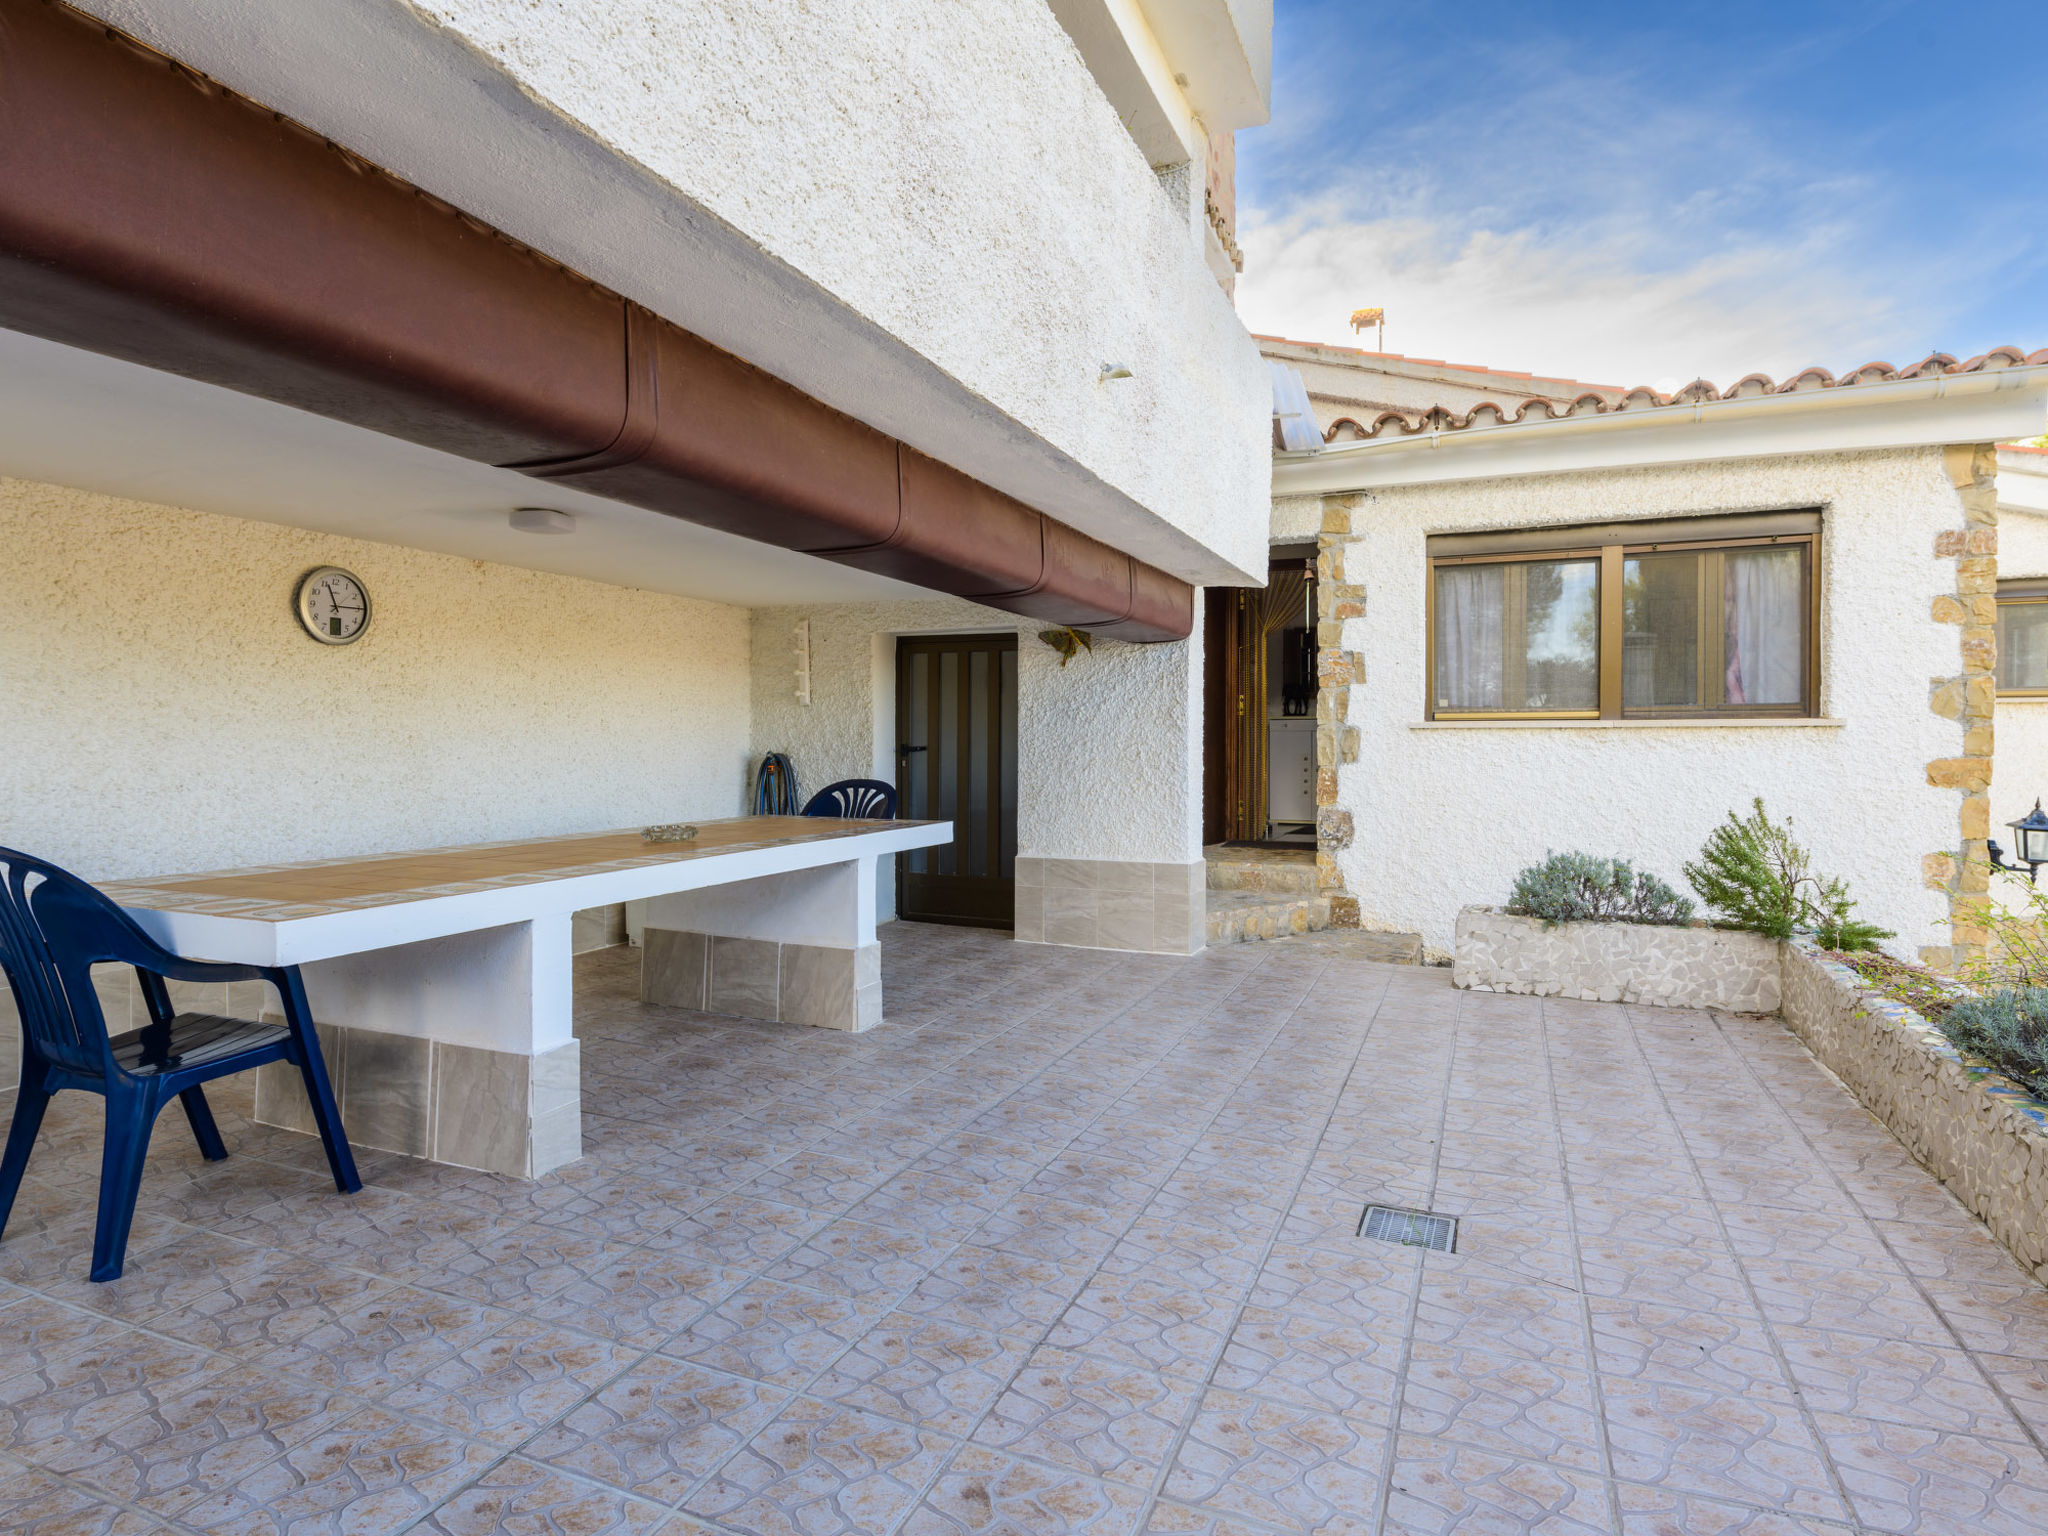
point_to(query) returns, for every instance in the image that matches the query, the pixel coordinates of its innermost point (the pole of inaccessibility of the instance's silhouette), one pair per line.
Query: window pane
(1763, 606)
(1518, 636)
(1660, 656)
(2023, 645)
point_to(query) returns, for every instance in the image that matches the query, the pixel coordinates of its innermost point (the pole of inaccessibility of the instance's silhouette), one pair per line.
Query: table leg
(456, 1049)
(798, 947)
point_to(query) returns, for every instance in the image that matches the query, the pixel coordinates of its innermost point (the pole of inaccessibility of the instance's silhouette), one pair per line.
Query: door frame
(999, 913)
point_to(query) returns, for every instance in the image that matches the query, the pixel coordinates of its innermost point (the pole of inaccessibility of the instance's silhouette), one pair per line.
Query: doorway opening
(956, 755)
(1259, 709)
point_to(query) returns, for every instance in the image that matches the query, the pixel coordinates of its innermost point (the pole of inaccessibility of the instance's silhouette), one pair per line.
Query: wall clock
(333, 605)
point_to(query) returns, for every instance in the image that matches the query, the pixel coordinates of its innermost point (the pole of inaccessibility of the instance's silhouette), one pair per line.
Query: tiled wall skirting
(1158, 909)
(496, 1110)
(763, 979)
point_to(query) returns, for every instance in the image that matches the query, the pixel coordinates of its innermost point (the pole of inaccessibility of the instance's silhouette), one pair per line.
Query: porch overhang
(149, 215)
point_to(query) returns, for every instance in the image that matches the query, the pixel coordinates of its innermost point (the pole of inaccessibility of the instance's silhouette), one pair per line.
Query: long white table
(442, 979)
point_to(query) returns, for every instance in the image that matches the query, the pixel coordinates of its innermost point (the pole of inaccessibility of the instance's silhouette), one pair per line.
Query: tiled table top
(1066, 1246)
(321, 886)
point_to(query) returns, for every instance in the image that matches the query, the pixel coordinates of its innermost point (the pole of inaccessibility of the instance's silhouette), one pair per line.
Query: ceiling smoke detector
(542, 520)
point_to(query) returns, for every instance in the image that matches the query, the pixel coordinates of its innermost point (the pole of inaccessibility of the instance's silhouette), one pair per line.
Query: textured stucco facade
(163, 711)
(1109, 761)
(2020, 767)
(857, 197)
(1444, 815)
(1109, 756)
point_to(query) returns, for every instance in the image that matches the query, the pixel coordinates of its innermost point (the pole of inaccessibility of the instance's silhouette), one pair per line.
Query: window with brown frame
(1697, 617)
(2023, 639)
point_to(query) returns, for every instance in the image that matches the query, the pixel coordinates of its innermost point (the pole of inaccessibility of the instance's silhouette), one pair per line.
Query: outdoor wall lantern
(2029, 842)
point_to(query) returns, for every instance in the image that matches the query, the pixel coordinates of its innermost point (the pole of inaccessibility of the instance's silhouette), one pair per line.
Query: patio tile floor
(1067, 1246)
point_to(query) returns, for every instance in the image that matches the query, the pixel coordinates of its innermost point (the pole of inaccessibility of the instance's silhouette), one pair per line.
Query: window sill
(1751, 723)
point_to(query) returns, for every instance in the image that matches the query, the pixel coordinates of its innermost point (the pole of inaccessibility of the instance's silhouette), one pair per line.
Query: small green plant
(2018, 952)
(1578, 888)
(1755, 876)
(2009, 1029)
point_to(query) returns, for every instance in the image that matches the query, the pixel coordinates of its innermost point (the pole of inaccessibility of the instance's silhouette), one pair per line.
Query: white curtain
(1765, 613)
(1468, 636)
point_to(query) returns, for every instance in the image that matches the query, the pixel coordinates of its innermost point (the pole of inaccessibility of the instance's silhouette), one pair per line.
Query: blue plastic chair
(855, 800)
(53, 929)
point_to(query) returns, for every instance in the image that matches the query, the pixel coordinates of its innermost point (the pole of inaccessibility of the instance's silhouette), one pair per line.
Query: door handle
(906, 751)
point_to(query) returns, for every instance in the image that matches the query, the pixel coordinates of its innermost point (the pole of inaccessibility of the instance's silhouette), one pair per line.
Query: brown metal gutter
(148, 214)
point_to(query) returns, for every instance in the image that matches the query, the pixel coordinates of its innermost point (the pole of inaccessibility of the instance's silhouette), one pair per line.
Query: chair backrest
(53, 929)
(855, 799)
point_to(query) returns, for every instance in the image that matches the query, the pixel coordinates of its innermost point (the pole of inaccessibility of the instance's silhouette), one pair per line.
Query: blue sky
(1630, 194)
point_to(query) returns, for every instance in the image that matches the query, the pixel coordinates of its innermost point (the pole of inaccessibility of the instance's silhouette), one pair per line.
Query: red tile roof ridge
(1439, 418)
(1431, 362)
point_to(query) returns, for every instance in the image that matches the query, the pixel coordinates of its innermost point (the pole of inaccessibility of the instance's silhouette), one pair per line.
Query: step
(1287, 871)
(1244, 917)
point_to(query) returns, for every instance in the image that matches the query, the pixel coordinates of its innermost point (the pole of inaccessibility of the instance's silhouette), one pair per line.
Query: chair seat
(193, 1040)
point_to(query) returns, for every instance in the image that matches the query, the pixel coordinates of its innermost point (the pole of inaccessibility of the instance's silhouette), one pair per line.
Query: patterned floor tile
(520, 1378)
(1315, 1357)
(925, 1371)
(1910, 1479)
(1503, 1403)
(1748, 1449)
(87, 1390)
(857, 1258)
(1436, 1488)
(398, 1334)
(776, 1333)
(1151, 1319)
(988, 1493)
(1648, 1511)
(371, 1472)
(33, 1503)
(822, 1468)
(1002, 1292)
(522, 1498)
(1286, 1467)
(197, 1442)
(1104, 1420)
(640, 1298)
(659, 1429)
(278, 1302)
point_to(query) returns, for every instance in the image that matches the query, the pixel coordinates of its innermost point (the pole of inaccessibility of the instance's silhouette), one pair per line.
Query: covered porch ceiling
(70, 417)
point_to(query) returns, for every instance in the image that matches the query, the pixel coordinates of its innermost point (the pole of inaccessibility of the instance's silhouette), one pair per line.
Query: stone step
(1244, 917)
(1279, 871)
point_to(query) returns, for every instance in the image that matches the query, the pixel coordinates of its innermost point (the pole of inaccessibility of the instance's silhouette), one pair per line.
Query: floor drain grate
(1415, 1229)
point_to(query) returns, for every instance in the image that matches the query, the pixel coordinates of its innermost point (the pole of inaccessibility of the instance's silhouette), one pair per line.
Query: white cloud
(1605, 301)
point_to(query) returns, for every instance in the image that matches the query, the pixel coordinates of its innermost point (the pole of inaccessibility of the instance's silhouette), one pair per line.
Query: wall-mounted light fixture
(542, 520)
(2029, 843)
(1112, 371)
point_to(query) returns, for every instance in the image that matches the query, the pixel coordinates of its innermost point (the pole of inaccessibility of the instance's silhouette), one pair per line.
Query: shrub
(2009, 1029)
(2018, 954)
(1755, 876)
(1578, 888)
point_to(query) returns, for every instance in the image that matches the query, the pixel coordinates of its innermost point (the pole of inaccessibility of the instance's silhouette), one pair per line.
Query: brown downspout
(148, 214)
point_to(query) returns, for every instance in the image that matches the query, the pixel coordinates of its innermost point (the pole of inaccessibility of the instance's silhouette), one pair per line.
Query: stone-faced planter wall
(1980, 1134)
(1690, 967)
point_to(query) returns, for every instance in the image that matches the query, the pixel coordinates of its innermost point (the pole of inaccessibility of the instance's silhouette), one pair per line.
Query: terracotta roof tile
(1642, 397)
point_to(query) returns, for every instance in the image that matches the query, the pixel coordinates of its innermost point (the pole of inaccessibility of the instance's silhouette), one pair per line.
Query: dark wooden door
(956, 749)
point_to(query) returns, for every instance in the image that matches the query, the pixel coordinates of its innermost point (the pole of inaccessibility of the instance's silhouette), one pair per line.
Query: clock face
(333, 605)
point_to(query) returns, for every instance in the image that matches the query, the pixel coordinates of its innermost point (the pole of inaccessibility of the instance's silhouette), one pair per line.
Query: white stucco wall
(2019, 770)
(923, 212)
(1109, 755)
(161, 710)
(1447, 817)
